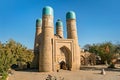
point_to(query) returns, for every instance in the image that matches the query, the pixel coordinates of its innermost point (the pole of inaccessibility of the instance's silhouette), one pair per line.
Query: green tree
(11, 53)
(105, 50)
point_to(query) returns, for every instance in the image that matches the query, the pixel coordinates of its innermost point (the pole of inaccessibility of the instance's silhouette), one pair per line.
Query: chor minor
(52, 51)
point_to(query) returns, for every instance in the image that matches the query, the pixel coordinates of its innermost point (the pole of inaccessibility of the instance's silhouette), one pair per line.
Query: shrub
(111, 66)
(4, 76)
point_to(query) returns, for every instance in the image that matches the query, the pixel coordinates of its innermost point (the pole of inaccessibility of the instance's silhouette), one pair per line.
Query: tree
(11, 53)
(105, 50)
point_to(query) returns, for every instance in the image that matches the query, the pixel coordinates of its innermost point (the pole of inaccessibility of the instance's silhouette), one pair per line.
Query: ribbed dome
(47, 10)
(39, 22)
(59, 23)
(70, 15)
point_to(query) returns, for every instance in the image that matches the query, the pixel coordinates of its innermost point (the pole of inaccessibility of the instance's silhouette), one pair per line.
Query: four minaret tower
(44, 38)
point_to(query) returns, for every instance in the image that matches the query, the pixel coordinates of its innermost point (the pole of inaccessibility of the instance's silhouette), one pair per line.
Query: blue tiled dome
(47, 10)
(59, 23)
(70, 15)
(39, 22)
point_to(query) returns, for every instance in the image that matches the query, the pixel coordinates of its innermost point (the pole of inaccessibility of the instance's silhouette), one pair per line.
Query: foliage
(111, 66)
(107, 51)
(11, 53)
(4, 76)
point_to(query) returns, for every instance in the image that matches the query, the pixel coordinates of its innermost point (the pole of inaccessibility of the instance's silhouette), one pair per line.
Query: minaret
(72, 34)
(59, 28)
(37, 41)
(45, 61)
(37, 35)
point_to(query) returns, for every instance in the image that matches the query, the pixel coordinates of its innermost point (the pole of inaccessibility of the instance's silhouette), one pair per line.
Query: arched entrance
(63, 65)
(83, 62)
(65, 58)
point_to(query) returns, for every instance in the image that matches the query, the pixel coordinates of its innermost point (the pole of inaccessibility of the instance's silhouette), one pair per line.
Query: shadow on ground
(27, 70)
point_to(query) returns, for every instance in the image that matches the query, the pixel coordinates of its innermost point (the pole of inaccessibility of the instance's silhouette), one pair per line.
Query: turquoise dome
(38, 22)
(70, 15)
(47, 11)
(59, 23)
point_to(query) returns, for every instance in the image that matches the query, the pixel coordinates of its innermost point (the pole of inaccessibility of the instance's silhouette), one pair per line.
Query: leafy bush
(4, 76)
(11, 53)
(111, 66)
(107, 51)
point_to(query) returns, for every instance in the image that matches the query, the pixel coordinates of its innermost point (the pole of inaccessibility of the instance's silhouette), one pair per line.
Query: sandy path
(68, 75)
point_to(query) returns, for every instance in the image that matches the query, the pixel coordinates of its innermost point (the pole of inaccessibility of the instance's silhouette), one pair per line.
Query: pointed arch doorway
(66, 58)
(63, 54)
(63, 65)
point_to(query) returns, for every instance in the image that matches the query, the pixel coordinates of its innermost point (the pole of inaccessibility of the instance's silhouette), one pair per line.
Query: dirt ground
(87, 73)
